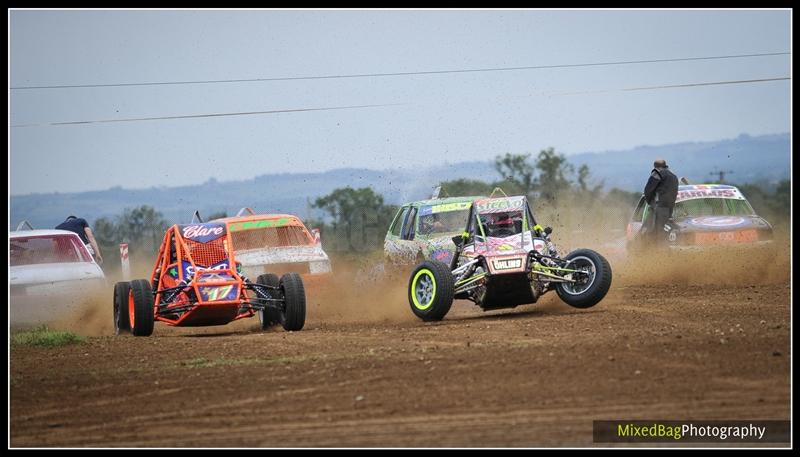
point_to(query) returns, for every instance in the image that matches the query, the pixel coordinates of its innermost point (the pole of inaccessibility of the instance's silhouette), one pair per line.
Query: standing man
(660, 193)
(81, 227)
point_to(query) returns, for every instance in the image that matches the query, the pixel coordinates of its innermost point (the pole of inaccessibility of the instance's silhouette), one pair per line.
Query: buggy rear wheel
(121, 319)
(293, 316)
(269, 316)
(141, 312)
(592, 283)
(430, 290)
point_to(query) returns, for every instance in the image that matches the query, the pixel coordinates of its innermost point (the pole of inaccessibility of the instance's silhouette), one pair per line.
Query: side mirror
(548, 230)
(458, 240)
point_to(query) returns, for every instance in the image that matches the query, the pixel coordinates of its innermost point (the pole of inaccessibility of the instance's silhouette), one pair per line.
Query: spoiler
(24, 225)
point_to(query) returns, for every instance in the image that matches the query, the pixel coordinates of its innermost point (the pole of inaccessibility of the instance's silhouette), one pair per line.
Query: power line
(409, 73)
(251, 113)
(679, 86)
(194, 116)
(715, 83)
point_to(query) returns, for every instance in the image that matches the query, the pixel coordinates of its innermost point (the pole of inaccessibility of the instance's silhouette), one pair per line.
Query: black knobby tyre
(121, 320)
(140, 300)
(269, 316)
(577, 297)
(293, 316)
(430, 290)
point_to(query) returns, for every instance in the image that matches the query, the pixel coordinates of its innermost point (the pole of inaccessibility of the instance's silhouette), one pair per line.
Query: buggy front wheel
(293, 316)
(430, 290)
(591, 281)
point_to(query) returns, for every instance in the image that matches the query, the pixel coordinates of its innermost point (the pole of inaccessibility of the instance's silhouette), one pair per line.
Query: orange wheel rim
(131, 307)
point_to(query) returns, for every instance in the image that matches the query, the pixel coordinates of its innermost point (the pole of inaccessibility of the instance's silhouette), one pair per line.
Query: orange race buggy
(196, 281)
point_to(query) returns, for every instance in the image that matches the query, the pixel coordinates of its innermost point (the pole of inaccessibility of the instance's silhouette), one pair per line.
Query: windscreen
(501, 224)
(713, 207)
(443, 223)
(47, 249)
(270, 237)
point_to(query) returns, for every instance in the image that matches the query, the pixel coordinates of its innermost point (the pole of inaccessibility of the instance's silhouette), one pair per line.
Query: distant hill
(752, 159)
(760, 158)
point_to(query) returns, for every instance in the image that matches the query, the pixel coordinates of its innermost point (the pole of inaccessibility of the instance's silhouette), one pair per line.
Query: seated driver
(430, 224)
(500, 224)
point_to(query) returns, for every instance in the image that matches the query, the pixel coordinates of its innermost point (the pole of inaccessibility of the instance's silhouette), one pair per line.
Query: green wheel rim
(423, 289)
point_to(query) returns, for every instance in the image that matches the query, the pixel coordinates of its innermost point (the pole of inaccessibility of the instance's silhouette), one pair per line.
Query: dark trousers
(662, 215)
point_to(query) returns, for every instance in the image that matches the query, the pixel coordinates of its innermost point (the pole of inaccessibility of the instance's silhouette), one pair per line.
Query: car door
(390, 242)
(639, 216)
(408, 247)
(393, 243)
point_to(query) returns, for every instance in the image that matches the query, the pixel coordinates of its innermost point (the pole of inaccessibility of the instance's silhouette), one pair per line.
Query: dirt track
(533, 376)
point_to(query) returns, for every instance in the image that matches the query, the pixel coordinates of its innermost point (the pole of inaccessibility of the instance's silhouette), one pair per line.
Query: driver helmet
(500, 221)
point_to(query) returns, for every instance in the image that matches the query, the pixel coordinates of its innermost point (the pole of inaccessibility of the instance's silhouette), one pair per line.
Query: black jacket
(77, 225)
(662, 188)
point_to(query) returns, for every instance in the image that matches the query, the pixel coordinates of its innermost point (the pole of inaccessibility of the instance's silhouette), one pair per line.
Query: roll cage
(179, 289)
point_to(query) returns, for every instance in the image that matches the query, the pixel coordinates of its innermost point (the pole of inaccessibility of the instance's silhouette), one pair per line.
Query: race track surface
(536, 375)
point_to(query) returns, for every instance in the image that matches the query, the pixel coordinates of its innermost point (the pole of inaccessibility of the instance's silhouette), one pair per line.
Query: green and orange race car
(277, 243)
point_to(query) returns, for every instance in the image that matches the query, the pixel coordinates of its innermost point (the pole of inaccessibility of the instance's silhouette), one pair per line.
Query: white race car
(51, 271)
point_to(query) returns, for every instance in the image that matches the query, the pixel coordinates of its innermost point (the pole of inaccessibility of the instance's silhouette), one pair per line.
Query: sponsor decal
(202, 233)
(716, 221)
(216, 293)
(499, 204)
(709, 191)
(250, 225)
(507, 264)
(442, 255)
(741, 236)
(189, 270)
(706, 186)
(444, 208)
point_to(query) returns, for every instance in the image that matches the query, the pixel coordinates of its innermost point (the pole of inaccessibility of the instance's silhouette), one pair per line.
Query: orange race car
(197, 281)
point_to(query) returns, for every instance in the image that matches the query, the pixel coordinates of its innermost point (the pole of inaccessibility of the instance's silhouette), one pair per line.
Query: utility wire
(251, 113)
(194, 116)
(410, 73)
(678, 86)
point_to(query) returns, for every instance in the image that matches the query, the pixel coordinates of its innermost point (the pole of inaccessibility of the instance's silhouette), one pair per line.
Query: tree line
(356, 219)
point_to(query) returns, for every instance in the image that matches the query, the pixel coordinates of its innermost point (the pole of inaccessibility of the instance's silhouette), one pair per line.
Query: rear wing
(24, 225)
(496, 190)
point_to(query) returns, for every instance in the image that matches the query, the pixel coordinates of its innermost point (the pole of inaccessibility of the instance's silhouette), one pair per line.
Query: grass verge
(44, 337)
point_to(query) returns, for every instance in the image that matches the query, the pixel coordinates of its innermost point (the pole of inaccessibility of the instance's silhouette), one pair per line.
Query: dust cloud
(364, 291)
(353, 294)
(360, 292)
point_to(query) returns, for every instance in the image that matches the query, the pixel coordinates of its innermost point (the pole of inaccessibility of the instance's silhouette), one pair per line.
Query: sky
(431, 119)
